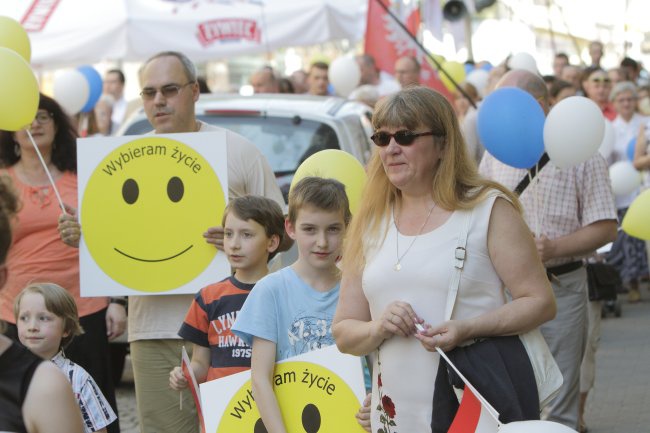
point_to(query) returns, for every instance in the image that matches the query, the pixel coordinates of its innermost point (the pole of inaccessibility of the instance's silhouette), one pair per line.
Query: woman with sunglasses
(37, 252)
(400, 254)
(596, 86)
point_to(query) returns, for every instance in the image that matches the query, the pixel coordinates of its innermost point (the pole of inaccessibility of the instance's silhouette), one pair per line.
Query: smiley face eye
(259, 427)
(130, 191)
(311, 418)
(175, 189)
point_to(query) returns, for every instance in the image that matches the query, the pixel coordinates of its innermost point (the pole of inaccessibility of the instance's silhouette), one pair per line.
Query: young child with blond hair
(47, 321)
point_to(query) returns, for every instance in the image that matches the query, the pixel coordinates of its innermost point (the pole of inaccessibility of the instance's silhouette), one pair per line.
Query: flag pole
(425, 51)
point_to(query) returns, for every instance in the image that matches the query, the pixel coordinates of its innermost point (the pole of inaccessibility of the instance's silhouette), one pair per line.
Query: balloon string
(545, 196)
(47, 171)
(83, 124)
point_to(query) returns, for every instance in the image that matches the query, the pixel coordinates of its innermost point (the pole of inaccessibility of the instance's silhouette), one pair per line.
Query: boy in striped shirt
(253, 230)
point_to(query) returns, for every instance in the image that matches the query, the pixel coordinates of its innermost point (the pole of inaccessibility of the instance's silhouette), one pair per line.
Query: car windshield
(285, 142)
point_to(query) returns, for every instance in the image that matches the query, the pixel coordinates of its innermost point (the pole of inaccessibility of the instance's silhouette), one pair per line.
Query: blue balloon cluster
(95, 85)
(630, 149)
(511, 126)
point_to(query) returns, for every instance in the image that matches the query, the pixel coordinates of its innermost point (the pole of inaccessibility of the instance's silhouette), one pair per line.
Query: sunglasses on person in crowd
(403, 137)
(601, 80)
(168, 91)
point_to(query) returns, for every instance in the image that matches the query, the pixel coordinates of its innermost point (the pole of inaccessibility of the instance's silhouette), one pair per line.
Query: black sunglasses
(403, 137)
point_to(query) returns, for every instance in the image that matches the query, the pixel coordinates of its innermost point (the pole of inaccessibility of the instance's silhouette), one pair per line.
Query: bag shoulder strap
(459, 261)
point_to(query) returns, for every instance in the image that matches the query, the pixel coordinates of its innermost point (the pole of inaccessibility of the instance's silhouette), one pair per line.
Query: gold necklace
(398, 264)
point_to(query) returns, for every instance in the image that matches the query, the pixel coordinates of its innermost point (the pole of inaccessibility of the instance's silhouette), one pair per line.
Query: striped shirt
(209, 321)
(564, 200)
(95, 410)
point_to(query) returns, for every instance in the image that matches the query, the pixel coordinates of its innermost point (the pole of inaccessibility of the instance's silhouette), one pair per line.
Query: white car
(286, 128)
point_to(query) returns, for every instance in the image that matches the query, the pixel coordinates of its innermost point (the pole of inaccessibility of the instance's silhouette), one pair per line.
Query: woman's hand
(445, 336)
(177, 380)
(398, 319)
(69, 228)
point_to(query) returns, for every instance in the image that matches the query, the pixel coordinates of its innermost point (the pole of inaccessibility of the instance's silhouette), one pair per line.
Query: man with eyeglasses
(169, 91)
(575, 211)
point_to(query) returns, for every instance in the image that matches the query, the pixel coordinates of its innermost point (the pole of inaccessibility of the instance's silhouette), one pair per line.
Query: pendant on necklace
(398, 266)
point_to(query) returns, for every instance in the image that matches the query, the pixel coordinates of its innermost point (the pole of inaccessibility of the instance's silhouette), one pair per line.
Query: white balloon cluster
(71, 90)
(523, 61)
(624, 177)
(344, 74)
(535, 427)
(573, 131)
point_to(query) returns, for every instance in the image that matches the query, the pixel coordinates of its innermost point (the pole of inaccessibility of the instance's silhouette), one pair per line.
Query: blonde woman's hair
(456, 183)
(58, 302)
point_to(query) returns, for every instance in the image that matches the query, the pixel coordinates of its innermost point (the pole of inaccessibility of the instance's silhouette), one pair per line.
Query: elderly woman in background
(628, 253)
(37, 252)
(398, 259)
(596, 85)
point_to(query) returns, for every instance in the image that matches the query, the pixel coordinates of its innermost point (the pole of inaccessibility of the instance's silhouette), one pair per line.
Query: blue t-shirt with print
(282, 308)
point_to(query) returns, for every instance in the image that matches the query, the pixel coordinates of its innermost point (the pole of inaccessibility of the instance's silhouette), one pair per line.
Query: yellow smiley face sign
(312, 399)
(144, 210)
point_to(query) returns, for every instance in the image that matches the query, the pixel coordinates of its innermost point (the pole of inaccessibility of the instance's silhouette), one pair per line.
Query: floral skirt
(628, 255)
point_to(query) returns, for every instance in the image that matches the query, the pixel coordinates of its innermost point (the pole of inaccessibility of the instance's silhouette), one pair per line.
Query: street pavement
(618, 403)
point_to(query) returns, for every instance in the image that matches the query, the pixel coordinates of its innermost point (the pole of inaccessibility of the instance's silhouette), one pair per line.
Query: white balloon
(625, 178)
(573, 131)
(344, 74)
(535, 427)
(71, 90)
(479, 79)
(609, 138)
(523, 61)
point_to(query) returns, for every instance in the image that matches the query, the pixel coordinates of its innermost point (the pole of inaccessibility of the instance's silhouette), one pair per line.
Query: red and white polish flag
(475, 414)
(194, 386)
(386, 41)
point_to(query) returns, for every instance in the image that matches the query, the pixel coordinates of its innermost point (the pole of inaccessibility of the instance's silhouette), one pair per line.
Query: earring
(17, 150)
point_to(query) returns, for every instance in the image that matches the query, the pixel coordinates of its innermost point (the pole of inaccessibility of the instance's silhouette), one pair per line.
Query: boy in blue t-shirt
(290, 312)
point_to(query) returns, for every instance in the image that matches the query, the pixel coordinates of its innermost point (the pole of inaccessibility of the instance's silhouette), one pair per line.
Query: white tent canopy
(73, 32)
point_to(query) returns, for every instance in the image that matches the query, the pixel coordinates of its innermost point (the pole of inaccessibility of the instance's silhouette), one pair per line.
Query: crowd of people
(439, 255)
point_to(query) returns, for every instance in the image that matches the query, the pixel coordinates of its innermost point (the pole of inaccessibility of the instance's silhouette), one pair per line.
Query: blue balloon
(511, 126)
(94, 87)
(630, 149)
(469, 67)
(487, 66)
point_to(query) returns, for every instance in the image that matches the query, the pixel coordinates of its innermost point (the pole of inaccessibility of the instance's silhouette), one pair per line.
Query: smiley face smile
(154, 260)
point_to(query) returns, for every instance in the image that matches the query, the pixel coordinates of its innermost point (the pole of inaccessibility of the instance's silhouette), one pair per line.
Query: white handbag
(547, 374)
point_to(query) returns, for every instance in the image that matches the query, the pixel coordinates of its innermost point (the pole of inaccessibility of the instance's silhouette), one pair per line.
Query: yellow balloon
(456, 71)
(440, 59)
(339, 165)
(18, 92)
(637, 219)
(14, 37)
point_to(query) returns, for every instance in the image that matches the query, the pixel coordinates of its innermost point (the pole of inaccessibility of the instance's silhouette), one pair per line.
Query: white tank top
(408, 370)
